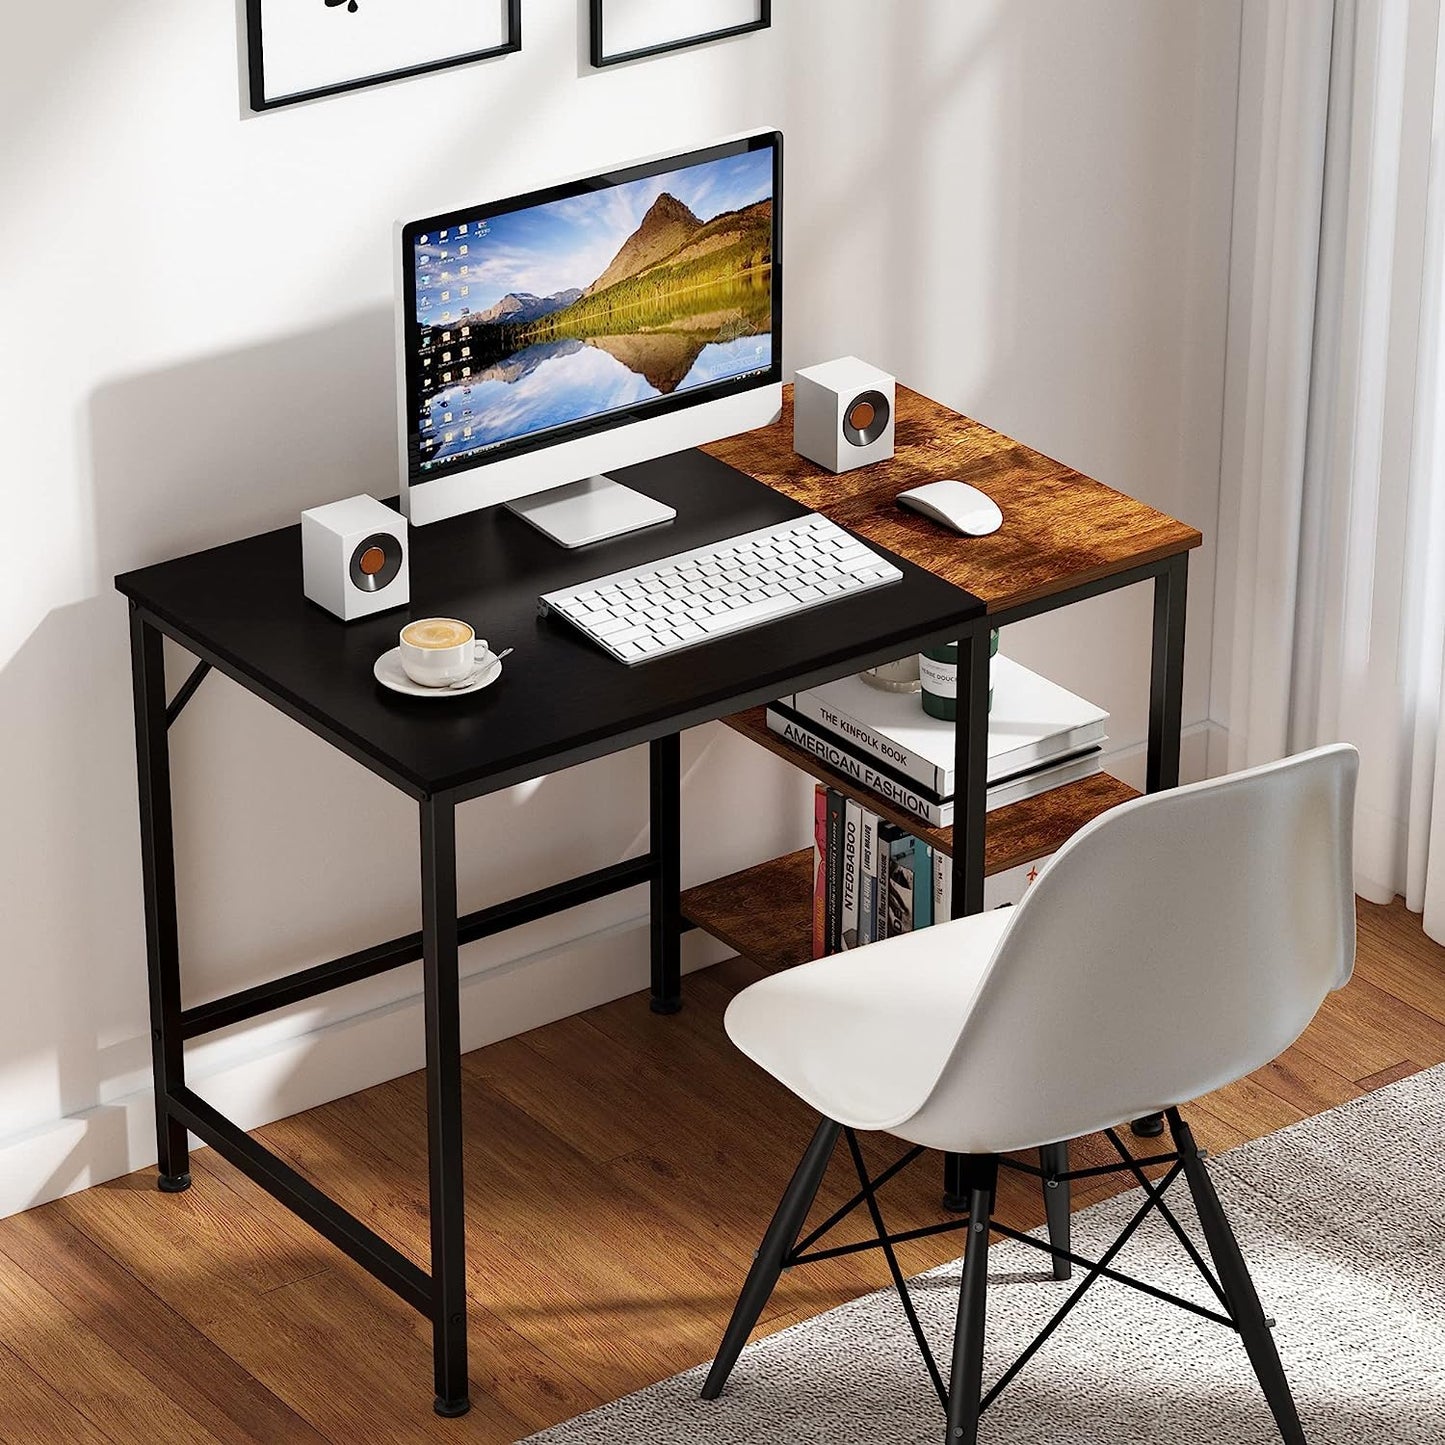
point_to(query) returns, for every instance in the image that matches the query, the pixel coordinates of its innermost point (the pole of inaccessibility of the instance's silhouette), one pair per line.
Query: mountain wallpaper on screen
(675, 285)
(595, 303)
(519, 306)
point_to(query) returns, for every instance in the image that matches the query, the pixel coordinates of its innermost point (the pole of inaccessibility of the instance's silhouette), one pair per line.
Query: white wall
(1019, 206)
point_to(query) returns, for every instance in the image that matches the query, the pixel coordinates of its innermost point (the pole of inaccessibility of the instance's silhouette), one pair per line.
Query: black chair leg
(782, 1235)
(965, 1382)
(1238, 1288)
(1054, 1160)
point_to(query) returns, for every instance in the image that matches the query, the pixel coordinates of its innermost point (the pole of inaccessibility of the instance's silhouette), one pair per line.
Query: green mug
(938, 668)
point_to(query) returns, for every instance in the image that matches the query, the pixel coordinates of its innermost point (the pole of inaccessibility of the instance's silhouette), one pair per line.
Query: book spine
(867, 879)
(858, 735)
(851, 873)
(942, 887)
(862, 770)
(900, 884)
(922, 884)
(820, 870)
(880, 872)
(833, 939)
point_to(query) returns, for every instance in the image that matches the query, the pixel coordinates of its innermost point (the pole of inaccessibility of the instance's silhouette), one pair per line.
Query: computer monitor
(605, 321)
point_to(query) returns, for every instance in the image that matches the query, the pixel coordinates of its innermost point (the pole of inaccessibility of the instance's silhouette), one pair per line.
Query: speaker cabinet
(354, 558)
(843, 414)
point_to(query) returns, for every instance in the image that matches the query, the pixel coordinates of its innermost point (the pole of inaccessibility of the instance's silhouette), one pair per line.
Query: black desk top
(559, 701)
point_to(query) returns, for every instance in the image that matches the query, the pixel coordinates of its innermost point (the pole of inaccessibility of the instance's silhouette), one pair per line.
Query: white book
(852, 873)
(813, 738)
(1000, 890)
(1032, 721)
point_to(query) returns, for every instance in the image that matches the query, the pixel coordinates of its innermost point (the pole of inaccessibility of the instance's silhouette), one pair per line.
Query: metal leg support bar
(441, 989)
(665, 851)
(158, 870)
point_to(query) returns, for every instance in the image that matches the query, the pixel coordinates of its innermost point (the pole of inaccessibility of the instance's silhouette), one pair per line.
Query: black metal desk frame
(441, 1294)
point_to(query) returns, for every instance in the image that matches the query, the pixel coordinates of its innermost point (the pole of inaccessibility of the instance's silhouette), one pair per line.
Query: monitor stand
(591, 510)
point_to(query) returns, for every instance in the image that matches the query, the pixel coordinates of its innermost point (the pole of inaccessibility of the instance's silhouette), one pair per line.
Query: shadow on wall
(288, 853)
(178, 461)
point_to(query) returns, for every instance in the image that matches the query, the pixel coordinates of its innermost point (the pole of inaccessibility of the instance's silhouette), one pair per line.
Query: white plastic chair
(1172, 946)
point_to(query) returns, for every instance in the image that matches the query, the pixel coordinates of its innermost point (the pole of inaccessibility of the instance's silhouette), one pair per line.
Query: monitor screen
(597, 302)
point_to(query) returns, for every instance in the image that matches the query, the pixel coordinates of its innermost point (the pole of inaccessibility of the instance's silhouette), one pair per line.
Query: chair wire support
(885, 1241)
(1154, 1192)
(799, 1255)
(1065, 1176)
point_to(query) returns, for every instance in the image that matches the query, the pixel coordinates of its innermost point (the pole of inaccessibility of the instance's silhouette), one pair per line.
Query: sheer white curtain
(1332, 624)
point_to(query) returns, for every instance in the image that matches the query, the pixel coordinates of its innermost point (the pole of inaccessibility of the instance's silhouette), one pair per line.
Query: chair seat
(863, 1036)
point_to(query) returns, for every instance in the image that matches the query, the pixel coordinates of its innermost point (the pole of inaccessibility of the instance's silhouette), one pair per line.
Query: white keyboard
(664, 607)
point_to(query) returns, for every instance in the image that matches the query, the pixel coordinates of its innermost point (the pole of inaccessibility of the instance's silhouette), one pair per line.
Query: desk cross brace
(186, 692)
(382, 957)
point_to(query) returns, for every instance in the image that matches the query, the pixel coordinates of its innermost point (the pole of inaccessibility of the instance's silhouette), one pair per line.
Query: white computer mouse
(956, 505)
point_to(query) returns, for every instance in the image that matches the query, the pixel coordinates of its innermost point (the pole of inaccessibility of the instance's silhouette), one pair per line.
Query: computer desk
(239, 609)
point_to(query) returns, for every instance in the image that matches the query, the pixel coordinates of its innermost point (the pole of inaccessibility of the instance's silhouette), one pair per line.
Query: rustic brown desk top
(1060, 529)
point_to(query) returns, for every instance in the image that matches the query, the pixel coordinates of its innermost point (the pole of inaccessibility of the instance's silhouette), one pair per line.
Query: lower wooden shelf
(765, 912)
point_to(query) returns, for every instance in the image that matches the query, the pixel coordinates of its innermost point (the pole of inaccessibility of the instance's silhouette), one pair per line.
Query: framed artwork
(625, 30)
(305, 49)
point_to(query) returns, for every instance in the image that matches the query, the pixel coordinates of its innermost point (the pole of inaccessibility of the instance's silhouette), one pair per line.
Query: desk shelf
(766, 912)
(1018, 833)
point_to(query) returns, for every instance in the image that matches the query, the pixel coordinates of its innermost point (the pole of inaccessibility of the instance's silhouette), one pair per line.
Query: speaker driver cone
(866, 418)
(375, 562)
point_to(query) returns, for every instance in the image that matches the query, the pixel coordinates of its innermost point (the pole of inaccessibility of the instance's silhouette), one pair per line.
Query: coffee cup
(440, 651)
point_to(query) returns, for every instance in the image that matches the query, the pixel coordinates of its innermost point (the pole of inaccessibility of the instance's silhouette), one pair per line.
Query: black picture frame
(256, 66)
(600, 58)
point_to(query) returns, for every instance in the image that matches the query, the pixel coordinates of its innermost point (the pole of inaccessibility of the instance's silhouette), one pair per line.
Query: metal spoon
(477, 672)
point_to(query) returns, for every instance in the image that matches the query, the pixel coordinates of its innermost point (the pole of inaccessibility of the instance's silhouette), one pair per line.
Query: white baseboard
(255, 1079)
(1201, 755)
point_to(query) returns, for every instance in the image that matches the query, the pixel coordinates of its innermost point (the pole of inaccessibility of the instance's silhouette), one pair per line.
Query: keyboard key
(745, 616)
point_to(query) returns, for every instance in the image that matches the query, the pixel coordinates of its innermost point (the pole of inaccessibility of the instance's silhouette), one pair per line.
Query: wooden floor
(620, 1168)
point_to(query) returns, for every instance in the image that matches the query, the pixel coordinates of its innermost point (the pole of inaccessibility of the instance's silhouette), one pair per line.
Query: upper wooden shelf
(1060, 529)
(1018, 833)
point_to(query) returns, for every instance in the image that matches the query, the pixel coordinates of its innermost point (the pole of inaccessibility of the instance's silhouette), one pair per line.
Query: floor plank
(86, 1282)
(620, 1168)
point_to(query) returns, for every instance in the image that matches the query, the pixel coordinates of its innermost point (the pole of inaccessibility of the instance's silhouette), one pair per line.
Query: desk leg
(441, 991)
(1166, 713)
(1166, 675)
(970, 770)
(158, 871)
(665, 770)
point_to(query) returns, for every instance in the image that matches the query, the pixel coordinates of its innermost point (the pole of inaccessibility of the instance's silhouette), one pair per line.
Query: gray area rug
(1342, 1221)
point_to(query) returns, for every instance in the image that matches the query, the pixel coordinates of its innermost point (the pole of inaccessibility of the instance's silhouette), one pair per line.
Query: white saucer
(388, 672)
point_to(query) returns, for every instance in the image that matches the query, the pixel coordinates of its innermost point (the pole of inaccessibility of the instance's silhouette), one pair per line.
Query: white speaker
(843, 414)
(354, 558)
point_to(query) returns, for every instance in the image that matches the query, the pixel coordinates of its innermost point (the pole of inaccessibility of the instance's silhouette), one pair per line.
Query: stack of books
(874, 880)
(1040, 736)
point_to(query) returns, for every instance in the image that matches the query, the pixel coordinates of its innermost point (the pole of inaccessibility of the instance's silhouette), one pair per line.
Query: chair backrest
(1172, 946)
